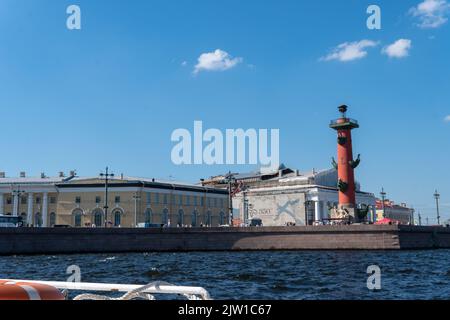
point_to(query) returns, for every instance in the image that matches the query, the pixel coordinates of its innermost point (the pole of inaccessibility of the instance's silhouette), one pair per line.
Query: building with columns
(35, 200)
(286, 196)
(80, 202)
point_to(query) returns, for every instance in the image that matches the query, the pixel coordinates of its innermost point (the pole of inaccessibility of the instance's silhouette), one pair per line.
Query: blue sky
(113, 92)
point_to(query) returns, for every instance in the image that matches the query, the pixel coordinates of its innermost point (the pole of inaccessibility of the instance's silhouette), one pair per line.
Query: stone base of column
(346, 213)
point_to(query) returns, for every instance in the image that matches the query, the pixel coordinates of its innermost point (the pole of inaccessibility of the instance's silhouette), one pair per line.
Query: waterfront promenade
(15, 241)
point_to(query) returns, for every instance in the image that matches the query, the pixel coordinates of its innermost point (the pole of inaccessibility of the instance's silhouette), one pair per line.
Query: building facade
(401, 213)
(33, 199)
(80, 202)
(287, 197)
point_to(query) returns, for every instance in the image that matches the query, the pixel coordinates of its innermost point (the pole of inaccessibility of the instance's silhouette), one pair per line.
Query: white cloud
(218, 60)
(349, 51)
(447, 118)
(398, 49)
(431, 13)
(184, 63)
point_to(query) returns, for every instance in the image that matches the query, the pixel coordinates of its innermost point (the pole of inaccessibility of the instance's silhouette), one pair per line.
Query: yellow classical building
(80, 202)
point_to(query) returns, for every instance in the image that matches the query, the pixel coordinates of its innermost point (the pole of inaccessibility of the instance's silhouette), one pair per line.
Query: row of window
(150, 217)
(24, 200)
(98, 200)
(97, 218)
(38, 219)
(196, 218)
(151, 198)
(156, 198)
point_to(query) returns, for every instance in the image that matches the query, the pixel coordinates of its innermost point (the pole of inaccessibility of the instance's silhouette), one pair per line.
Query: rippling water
(257, 275)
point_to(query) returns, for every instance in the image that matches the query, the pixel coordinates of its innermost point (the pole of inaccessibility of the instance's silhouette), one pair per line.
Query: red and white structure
(345, 164)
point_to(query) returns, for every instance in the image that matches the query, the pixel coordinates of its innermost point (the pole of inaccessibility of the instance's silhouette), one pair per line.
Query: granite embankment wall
(355, 237)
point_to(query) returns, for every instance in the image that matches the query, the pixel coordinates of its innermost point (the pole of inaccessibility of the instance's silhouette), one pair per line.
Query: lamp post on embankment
(230, 181)
(437, 196)
(106, 176)
(136, 198)
(383, 198)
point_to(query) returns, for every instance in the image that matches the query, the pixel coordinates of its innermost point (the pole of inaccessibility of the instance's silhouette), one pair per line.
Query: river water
(257, 275)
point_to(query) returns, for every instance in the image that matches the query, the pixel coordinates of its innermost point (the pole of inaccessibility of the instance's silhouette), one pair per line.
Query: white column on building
(2, 204)
(44, 209)
(30, 209)
(318, 216)
(16, 205)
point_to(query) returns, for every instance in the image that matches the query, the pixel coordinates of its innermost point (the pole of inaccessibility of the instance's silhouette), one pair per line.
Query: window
(149, 198)
(52, 200)
(156, 197)
(117, 218)
(194, 218)
(38, 200)
(8, 200)
(23, 200)
(195, 200)
(98, 199)
(222, 218)
(208, 218)
(188, 200)
(77, 214)
(215, 202)
(180, 200)
(52, 219)
(98, 218)
(149, 216)
(38, 219)
(221, 203)
(78, 220)
(165, 199)
(78, 200)
(202, 201)
(180, 221)
(117, 199)
(165, 217)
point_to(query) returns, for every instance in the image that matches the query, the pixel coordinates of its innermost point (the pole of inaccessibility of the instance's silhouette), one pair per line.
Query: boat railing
(130, 290)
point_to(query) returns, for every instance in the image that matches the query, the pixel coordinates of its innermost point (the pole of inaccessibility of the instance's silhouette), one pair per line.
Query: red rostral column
(345, 164)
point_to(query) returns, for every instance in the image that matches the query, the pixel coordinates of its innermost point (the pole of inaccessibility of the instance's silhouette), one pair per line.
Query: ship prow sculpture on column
(345, 165)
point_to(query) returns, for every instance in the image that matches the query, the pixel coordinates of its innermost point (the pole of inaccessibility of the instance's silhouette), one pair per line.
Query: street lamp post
(420, 219)
(106, 176)
(230, 179)
(136, 198)
(437, 196)
(246, 218)
(383, 198)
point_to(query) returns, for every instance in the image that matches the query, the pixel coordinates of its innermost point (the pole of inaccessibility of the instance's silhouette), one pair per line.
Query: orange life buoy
(12, 290)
